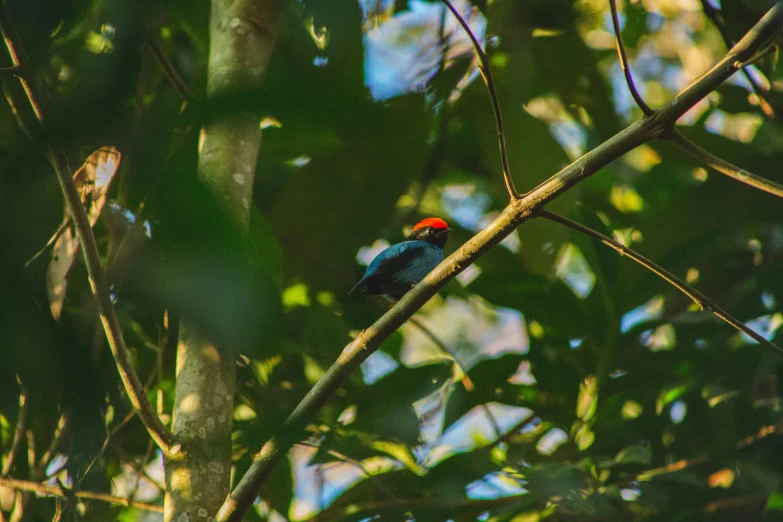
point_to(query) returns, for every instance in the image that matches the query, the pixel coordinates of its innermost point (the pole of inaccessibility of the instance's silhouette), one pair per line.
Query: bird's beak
(449, 230)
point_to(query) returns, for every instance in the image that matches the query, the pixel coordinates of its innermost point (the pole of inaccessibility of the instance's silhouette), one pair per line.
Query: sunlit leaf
(401, 453)
(723, 478)
(626, 199)
(669, 395)
(584, 437)
(573, 270)
(631, 410)
(587, 402)
(63, 256)
(93, 180)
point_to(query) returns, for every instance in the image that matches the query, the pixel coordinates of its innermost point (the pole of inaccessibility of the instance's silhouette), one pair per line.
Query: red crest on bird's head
(431, 222)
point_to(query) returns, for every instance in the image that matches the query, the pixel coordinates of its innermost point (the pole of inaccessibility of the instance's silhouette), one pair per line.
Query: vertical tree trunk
(242, 36)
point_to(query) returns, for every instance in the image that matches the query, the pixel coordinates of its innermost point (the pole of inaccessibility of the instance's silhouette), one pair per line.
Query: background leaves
(580, 410)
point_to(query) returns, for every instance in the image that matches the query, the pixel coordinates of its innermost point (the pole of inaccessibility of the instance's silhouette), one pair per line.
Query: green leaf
(587, 402)
(400, 452)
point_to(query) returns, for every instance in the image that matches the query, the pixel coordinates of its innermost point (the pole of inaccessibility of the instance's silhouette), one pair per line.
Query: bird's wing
(393, 258)
(396, 256)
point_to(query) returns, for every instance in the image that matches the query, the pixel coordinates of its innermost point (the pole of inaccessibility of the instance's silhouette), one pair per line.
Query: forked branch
(60, 492)
(624, 61)
(767, 105)
(518, 211)
(486, 74)
(683, 143)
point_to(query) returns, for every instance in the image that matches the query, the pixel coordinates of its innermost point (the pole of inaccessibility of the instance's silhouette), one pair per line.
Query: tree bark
(242, 37)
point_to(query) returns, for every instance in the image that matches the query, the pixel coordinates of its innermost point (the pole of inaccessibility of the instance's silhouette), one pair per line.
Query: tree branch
(767, 105)
(486, 74)
(21, 423)
(624, 61)
(724, 167)
(700, 299)
(52, 240)
(159, 433)
(681, 141)
(168, 68)
(54, 446)
(112, 431)
(12, 105)
(375, 479)
(60, 492)
(518, 211)
(19, 58)
(759, 55)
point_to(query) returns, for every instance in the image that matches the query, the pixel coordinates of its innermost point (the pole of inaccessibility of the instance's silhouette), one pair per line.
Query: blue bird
(401, 266)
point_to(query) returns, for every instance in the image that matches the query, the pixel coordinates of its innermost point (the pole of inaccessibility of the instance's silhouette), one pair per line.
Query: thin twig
(486, 74)
(168, 336)
(492, 421)
(19, 58)
(38, 466)
(54, 445)
(21, 424)
(624, 61)
(758, 56)
(518, 211)
(19, 504)
(700, 299)
(140, 471)
(157, 430)
(767, 105)
(14, 110)
(59, 508)
(22, 498)
(60, 492)
(113, 431)
(681, 141)
(375, 480)
(30, 449)
(153, 481)
(50, 243)
(724, 167)
(168, 68)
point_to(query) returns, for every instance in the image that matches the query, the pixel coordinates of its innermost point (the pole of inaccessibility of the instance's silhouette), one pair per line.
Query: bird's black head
(432, 230)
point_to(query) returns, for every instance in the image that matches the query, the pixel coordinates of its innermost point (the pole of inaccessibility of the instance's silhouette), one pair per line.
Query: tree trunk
(242, 36)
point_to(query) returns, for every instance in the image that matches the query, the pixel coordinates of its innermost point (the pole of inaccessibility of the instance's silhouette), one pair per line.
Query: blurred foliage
(598, 391)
